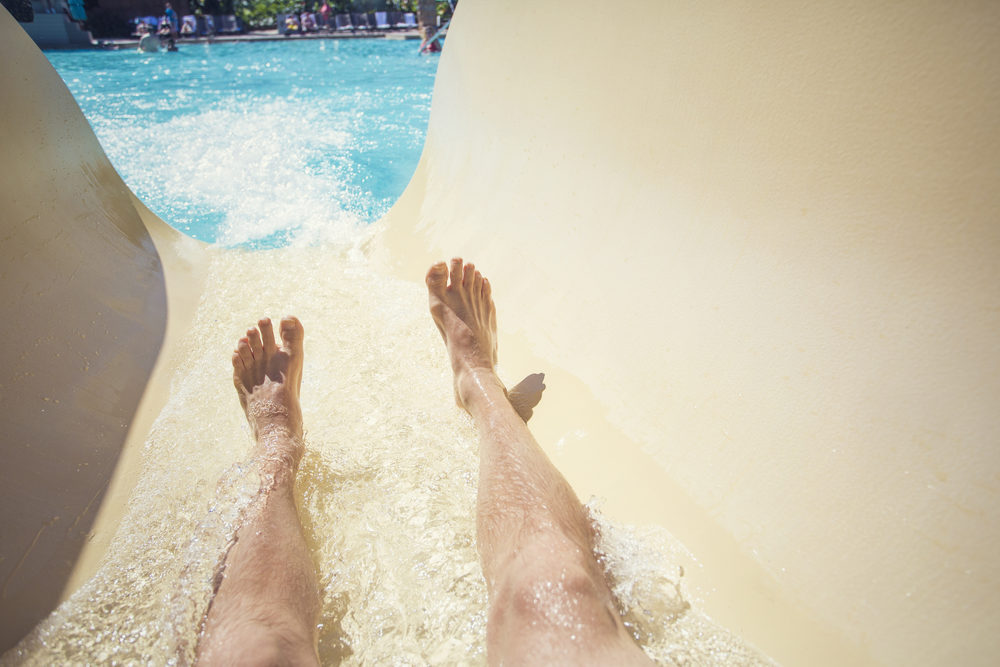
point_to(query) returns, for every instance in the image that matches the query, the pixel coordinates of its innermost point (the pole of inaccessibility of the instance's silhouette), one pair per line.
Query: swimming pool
(259, 143)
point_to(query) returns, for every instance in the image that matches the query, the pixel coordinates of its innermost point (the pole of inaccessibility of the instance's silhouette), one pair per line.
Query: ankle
(278, 454)
(479, 388)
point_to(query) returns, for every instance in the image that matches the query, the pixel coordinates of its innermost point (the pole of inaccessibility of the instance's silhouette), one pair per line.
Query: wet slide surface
(786, 356)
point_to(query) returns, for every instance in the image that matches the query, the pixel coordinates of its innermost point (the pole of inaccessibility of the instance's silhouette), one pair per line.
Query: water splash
(387, 491)
(261, 144)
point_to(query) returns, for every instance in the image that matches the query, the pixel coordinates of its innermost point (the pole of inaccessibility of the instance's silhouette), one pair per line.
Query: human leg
(549, 600)
(266, 603)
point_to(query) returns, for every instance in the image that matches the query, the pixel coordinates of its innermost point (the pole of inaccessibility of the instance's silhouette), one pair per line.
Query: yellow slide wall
(755, 248)
(766, 236)
(84, 273)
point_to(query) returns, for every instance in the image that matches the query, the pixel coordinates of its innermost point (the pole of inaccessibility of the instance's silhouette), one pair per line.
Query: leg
(267, 603)
(549, 601)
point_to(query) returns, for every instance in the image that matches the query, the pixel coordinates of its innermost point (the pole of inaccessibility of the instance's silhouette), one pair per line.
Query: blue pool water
(261, 144)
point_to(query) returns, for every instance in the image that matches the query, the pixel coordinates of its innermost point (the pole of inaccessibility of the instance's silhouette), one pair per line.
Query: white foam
(261, 167)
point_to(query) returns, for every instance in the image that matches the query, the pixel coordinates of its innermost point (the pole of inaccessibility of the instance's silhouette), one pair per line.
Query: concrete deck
(265, 36)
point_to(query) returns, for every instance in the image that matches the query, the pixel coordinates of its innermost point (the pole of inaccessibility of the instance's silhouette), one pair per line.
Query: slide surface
(85, 301)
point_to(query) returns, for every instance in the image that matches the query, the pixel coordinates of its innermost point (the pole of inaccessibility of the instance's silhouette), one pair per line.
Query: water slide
(756, 250)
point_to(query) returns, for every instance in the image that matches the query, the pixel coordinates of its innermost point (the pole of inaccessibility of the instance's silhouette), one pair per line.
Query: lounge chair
(309, 23)
(410, 20)
(189, 26)
(288, 24)
(228, 24)
(382, 21)
(207, 25)
(343, 22)
(360, 21)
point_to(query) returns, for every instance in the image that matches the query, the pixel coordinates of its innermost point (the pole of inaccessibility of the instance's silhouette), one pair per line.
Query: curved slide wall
(766, 236)
(755, 250)
(85, 270)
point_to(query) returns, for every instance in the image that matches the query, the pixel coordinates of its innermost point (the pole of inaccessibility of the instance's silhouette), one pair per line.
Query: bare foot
(268, 379)
(462, 308)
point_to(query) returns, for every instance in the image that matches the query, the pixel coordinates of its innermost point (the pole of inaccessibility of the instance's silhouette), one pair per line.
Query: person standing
(324, 16)
(171, 18)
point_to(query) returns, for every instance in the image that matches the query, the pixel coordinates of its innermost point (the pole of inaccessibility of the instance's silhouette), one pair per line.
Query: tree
(257, 14)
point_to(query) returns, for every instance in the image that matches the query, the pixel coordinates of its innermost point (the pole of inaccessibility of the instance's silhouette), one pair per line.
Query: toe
(456, 271)
(437, 277)
(468, 275)
(256, 347)
(243, 349)
(292, 331)
(238, 371)
(267, 336)
(477, 294)
(246, 359)
(258, 366)
(292, 334)
(477, 285)
(487, 290)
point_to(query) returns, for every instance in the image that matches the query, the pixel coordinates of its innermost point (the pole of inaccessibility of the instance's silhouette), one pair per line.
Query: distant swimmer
(549, 600)
(148, 42)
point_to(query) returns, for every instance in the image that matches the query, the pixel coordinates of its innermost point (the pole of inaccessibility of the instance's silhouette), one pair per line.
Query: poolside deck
(264, 36)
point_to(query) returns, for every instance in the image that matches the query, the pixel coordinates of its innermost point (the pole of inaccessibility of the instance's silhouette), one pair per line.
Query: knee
(568, 598)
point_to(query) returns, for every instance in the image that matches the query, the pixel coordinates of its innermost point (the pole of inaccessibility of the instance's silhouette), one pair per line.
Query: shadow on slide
(85, 308)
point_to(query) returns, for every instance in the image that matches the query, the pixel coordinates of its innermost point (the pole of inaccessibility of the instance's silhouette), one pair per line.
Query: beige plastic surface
(85, 304)
(766, 236)
(754, 245)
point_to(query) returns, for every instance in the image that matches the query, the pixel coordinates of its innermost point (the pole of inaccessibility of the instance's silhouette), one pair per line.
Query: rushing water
(259, 143)
(387, 487)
